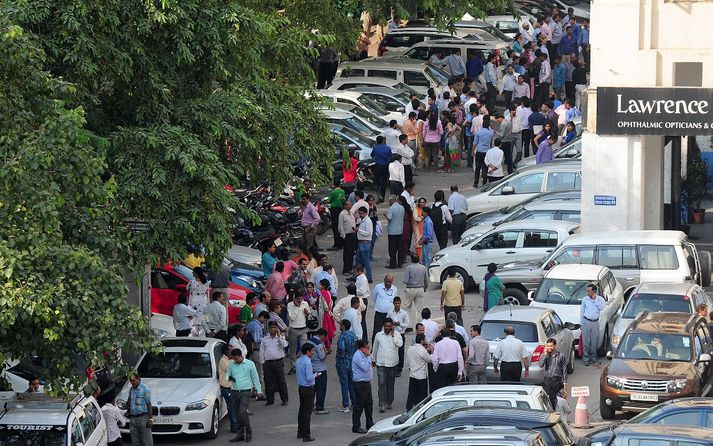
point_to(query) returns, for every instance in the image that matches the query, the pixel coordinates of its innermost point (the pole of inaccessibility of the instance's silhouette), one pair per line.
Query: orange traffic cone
(581, 413)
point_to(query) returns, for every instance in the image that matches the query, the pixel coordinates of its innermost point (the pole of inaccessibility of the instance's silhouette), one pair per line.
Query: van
(38, 419)
(468, 48)
(417, 74)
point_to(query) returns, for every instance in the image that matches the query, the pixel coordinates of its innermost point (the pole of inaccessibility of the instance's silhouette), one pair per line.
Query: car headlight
(615, 382)
(615, 339)
(197, 405)
(437, 257)
(121, 404)
(235, 303)
(676, 384)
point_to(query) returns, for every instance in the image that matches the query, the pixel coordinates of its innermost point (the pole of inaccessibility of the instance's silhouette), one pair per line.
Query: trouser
(334, 214)
(347, 384)
(526, 139)
(255, 358)
(457, 310)
(447, 374)
(544, 92)
(413, 297)
(431, 155)
(441, 235)
(381, 177)
(590, 340)
(552, 387)
(569, 90)
(395, 250)
(304, 414)
(400, 367)
(408, 173)
(552, 51)
(578, 90)
(457, 227)
(296, 337)
(363, 403)
(320, 388)
(309, 235)
(274, 371)
(426, 254)
(241, 399)
(324, 74)
(477, 374)
(226, 393)
(517, 147)
(116, 442)
(363, 256)
(508, 98)
(378, 324)
(396, 187)
(492, 179)
(506, 147)
(364, 333)
(417, 391)
(413, 145)
(432, 379)
(348, 249)
(559, 91)
(181, 333)
(585, 55)
(469, 150)
(510, 371)
(480, 168)
(387, 378)
(405, 246)
(490, 97)
(140, 433)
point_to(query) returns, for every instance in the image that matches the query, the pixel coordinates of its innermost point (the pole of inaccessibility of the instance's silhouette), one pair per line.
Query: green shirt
(246, 314)
(245, 375)
(336, 198)
(495, 291)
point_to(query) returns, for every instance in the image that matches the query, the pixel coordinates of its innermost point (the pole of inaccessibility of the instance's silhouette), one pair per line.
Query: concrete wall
(635, 43)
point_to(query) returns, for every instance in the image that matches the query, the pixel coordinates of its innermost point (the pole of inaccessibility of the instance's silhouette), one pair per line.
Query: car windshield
(416, 428)
(406, 89)
(354, 124)
(34, 437)
(438, 75)
(409, 413)
(370, 117)
(388, 102)
(357, 136)
(184, 271)
(654, 303)
(372, 105)
(562, 291)
(176, 365)
(655, 347)
(524, 331)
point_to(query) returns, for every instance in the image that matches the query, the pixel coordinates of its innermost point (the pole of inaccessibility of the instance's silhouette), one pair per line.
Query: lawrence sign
(654, 111)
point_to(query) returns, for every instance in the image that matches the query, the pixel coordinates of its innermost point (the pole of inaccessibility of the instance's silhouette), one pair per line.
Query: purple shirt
(310, 216)
(447, 351)
(432, 135)
(544, 152)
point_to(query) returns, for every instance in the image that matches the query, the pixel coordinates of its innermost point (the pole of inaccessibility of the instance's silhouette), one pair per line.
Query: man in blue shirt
(305, 380)
(383, 294)
(362, 374)
(591, 309)
(382, 158)
(544, 152)
(243, 375)
(346, 347)
(483, 141)
(427, 238)
(319, 366)
(569, 43)
(474, 66)
(140, 412)
(395, 232)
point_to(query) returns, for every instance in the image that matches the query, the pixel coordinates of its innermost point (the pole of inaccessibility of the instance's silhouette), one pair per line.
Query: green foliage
(697, 180)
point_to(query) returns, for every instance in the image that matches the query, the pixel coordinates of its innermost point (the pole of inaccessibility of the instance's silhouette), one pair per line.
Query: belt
(138, 415)
(512, 362)
(298, 328)
(243, 390)
(274, 360)
(591, 320)
(417, 286)
(226, 388)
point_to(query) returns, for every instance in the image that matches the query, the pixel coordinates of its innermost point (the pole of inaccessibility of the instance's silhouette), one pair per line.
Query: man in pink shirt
(447, 360)
(275, 283)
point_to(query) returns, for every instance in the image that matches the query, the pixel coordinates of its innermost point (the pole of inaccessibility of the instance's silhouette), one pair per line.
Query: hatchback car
(658, 297)
(396, 41)
(185, 390)
(489, 218)
(391, 99)
(662, 356)
(468, 395)
(525, 239)
(487, 436)
(573, 150)
(361, 100)
(350, 120)
(347, 83)
(350, 139)
(533, 326)
(376, 123)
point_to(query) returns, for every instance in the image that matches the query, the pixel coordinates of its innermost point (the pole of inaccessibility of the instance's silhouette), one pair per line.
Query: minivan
(416, 74)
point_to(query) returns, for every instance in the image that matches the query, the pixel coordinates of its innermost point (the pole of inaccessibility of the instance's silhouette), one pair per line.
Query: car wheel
(705, 259)
(461, 275)
(605, 343)
(215, 420)
(570, 364)
(607, 412)
(514, 296)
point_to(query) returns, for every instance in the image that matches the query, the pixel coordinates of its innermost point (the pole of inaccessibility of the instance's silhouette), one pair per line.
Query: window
(87, 425)
(562, 181)
(558, 322)
(527, 184)
(576, 255)
(420, 53)
(708, 420)
(657, 257)
(442, 406)
(540, 239)
(352, 72)
(416, 79)
(391, 74)
(524, 331)
(76, 433)
(397, 40)
(474, 54)
(689, 443)
(93, 413)
(538, 215)
(683, 418)
(549, 326)
(164, 280)
(612, 281)
(617, 257)
(647, 442)
(492, 403)
(499, 240)
(573, 216)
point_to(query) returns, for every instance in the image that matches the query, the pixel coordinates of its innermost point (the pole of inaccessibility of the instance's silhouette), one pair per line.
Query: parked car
(416, 74)
(467, 47)
(489, 218)
(549, 424)
(376, 123)
(351, 121)
(525, 239)
(654, 435)
(633, 256)
(573, 150)
(508, 24)
(489, 436)
(662, 356)
(185, 391)
(391, 99)
(468, 395)
(243, 254)
(556, 176)
(361, 100)
(658, 297)
(469, 28)
(397, 41)
(563, 288)
(347, 83)
(350, 139)
(533, 326)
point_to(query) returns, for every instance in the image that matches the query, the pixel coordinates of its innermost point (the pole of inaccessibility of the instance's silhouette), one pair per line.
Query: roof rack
(22, 400)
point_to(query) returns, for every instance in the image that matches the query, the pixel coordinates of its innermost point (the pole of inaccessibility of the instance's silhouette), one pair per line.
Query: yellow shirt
(452, 288)
(223, 370)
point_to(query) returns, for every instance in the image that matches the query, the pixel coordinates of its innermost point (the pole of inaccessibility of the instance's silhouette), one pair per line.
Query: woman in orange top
(418, 224)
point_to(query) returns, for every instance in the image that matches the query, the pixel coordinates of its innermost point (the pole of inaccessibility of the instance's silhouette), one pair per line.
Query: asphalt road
(278, 425)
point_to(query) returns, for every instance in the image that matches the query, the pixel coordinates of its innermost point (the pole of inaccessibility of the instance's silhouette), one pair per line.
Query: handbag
(313, 320)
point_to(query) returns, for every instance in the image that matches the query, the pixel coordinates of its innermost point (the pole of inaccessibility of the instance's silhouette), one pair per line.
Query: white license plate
(162, 420)
(644, 397)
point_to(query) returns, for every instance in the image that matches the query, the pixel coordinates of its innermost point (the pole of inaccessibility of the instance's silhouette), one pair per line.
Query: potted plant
(697, 180)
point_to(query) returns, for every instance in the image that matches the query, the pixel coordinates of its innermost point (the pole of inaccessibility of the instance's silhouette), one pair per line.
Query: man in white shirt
(297, 312)
(386, 357)
(365, 232)
(182, 316)
(418, 358)
(346, 302)
(353, 315)
(521, 88)
(397, 175)
(407, 155)
(347, 231)
(431, 328)
(494, 161)
(508, 86)
(545, 78)
(215, 317)
(491, 82)
(401, 322)
(360, 201)
(408, 193)
(392, 134)
(114, 418)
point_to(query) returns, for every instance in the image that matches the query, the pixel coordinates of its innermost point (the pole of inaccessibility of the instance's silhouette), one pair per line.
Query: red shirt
(350, 173)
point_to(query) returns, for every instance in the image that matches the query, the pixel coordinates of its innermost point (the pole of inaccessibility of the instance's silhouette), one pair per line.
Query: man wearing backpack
(441, 217)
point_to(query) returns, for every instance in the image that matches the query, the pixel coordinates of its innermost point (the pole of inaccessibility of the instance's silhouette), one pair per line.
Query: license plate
(652, 397)
(162, 420)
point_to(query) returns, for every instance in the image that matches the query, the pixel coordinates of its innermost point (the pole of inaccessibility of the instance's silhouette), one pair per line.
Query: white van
(37, 419)
(417, 74)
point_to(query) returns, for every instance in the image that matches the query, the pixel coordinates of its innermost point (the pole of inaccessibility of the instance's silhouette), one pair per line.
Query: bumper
(192, 422)
(434, 273)
(621, 401)
(536, 376)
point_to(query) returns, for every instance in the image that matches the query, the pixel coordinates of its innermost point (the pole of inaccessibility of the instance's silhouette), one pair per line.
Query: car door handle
(548, 250)
(509, 252)
(629, 279)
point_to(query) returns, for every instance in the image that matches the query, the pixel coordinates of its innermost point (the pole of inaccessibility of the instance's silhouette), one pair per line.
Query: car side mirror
(571, 153)
(507, 190)
(610, 355)
(705, 357)
(531, 296)
(571, 326)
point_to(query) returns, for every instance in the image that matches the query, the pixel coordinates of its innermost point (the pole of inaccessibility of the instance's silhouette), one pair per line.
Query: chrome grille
(170, 410)
(645, 385)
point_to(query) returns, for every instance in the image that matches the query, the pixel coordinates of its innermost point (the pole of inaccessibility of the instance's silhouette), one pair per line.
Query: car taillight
(538, 352)
(382, 50)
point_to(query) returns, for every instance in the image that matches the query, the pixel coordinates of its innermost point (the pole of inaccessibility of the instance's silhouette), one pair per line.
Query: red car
(168, 281)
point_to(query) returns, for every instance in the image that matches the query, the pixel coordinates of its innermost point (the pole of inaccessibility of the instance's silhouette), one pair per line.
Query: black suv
(655, 434)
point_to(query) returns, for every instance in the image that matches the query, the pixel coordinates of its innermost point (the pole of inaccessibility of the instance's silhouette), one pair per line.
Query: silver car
(533, 326)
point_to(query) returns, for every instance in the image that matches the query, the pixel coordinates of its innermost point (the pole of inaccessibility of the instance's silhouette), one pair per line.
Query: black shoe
(237, 439)
(351, 279)
(284, 403)
(262, 398)
(308, 439)
(370, 281)
(269, 403)
(248, 437)
(390, 267)
(358, 430)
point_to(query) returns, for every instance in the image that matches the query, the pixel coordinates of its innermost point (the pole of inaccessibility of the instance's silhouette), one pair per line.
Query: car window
(561, 181)
(397, 40)
(421, 53)
(94, 414)
(537, 215)
(526, 331)
(87, 425)
(549, 326)
(656, 347)
(686, 418)
(540, 239)
(499, 240)
(353, 72)
(657, 257)
(391, 74)
(612, 281)
(164, 280)
(702, 335)
(571, 216)
(76, 433)
(416, 79)
(558, 322)
(652, 302)
(617, 257)
(576, 255)
(492, 403)
(527, 184)
(708, 419)
(442, 406)
(689, 443)
(646, 442)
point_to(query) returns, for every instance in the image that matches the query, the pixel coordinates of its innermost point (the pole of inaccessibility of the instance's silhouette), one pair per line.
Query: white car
(362, 100)
(347, 83)
(525, 396)
(563, 288)
(553, 176)
(185, 391)
(518, 240)
(162, 325)
(509, 25)
(352, 121)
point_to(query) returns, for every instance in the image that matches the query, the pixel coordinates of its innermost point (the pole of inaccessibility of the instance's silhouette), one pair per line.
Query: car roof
(662, 322)
(515, 313)
(531, 415)
(339, 114)
(507, 389)
(565, 164)
(382, 90)
(40, 409)
(184, 343)
(465, 41)
(686, 403)
(667, 431)
(665, 288)
(576, 272)
(559, 225)
(488, 433)
(396, 63)
(627, 237)
(419, 30)
(560, 204)
(337, 93)
(365, 79)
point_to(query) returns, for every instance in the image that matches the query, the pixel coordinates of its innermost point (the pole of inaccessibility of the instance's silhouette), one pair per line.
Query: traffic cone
(581, 413)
